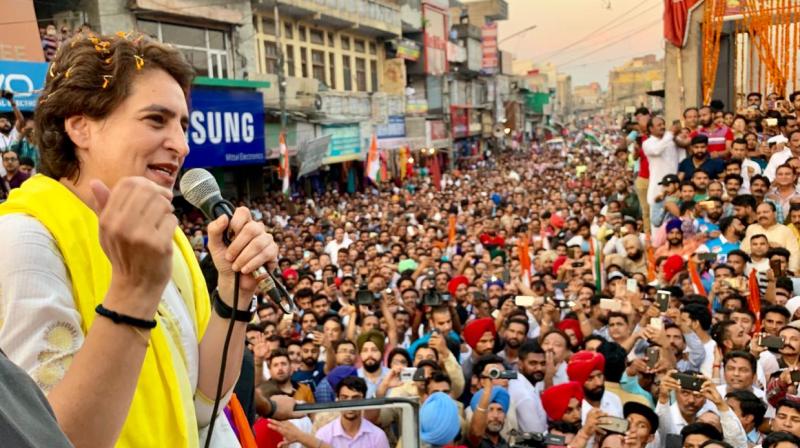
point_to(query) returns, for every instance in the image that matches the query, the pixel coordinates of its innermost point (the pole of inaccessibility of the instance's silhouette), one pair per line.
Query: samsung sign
(25, 80)
(226, 127)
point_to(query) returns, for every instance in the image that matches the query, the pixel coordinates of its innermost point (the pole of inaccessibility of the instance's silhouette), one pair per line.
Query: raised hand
(136, 226)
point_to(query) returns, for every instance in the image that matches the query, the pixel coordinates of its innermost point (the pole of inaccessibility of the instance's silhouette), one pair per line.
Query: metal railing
(409, 413)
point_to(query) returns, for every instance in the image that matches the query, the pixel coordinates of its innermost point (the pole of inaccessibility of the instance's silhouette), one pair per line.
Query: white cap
(778, 139)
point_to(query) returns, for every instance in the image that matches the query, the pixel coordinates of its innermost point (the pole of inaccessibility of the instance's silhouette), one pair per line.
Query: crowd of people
(639, 294)
(609, 297)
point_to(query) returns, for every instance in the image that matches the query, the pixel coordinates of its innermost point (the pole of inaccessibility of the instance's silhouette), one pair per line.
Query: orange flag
(525, 258)
(754, 299)
(651, 259)
(698, 285)
(246, 437)
(451, 231)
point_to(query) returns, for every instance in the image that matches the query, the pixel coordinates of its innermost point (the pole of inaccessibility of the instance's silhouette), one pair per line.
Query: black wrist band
(124, 319)
(272, 408)
(226, 312)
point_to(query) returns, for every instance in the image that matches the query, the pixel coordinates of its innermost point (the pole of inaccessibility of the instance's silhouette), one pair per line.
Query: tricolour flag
(373, 161)
(285, 169)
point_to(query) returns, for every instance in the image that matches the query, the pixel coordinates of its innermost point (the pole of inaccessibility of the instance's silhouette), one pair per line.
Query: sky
(584, 38)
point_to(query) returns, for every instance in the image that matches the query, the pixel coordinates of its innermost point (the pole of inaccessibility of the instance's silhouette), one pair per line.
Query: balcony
(411, 15)
(301, 93)
(374, 18)
(481, 11)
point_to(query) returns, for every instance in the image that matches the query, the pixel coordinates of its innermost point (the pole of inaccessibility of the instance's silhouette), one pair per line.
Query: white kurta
(663, 156)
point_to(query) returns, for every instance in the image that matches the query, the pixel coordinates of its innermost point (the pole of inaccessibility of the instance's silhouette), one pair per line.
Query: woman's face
(144, 136)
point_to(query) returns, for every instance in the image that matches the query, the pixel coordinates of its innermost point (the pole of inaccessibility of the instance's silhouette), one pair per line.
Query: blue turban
(496, 198)
(438, 419)
(674, 223)
(499, 396)
(339, 373)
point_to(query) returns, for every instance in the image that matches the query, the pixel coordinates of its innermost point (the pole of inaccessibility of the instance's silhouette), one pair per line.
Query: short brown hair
(91, 75)
(278, 353)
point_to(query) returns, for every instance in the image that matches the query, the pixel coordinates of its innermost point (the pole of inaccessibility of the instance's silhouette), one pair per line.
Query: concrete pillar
(683, 88)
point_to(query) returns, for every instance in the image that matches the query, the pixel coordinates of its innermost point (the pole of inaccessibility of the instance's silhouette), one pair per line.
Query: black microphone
(200, 189)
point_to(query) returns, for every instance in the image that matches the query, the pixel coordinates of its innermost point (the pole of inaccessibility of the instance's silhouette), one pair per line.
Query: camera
(7, 94)
(495, 374)
(432, 297)
(364, 296)
(534, 439)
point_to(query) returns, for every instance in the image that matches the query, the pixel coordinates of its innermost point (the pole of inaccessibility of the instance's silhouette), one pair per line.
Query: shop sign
(226, 127)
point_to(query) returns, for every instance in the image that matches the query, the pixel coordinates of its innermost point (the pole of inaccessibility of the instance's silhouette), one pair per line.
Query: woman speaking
(101, 299)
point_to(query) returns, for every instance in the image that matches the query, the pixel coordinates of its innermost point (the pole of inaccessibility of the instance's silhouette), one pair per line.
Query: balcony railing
(367, 16)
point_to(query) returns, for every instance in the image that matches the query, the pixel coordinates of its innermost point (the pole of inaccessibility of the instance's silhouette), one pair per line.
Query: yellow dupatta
(162, 412)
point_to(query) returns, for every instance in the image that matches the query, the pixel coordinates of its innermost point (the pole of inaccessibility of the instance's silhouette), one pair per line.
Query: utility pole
(281, 69)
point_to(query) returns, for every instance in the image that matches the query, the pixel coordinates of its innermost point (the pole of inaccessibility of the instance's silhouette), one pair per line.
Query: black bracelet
(272, 408)
(124, 319)
(226, 312)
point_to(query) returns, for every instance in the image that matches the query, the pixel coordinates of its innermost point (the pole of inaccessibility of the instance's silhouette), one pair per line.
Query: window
(290, 60)
(317, 36)
(288, 30)
(373, 75)
(205, 49)
(332, 69)
(270, 57)
(149, 28)
(372, 48)
(358, 44)
(268, 26)
(361, 74)
(303, 62)
(301, 33)
(331, 42)
(345, 43)
(216, 40)
(348, 73)
(318, 65)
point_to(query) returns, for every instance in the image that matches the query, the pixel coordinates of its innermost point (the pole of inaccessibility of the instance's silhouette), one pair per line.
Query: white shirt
(670, 420)
(332, 249)
(747, 165)
(530, 412)
(708, 362)
(7, 140)
(662, 155)
(777, 159)
(610, 404)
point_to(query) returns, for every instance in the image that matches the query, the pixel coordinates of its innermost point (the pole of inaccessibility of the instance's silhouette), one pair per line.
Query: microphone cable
(224, 361)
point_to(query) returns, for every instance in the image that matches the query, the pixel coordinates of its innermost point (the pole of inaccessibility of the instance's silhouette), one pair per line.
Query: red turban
(582, 364)
(455, 282)
(490, 241)
(557, 221)
(474, 331)
(574, 325)
(560, 260)
(289, 272)
(555, 399)
(672, 266)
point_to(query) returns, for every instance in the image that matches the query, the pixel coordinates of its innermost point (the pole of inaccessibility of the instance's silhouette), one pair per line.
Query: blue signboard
(25, 79)
(395, 128)
(345, 142)
(226, 127)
